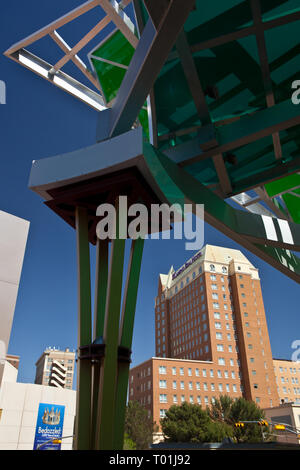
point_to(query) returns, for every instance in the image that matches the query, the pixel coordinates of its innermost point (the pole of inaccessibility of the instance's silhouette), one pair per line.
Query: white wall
(13, 238)
(20, 402)
(10, 373)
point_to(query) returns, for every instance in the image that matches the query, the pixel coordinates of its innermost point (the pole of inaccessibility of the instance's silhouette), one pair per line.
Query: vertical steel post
(126, 332)
(108, 372)
(99, 318)
(83, 403)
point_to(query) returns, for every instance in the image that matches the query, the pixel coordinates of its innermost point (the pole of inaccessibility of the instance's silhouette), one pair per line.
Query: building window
(162, 398)
(175, 399)
(162, 413)
(162, 384)
(174, 384)
(162, 369)
(173, 370)
(221, 361)
(181, 371)
(212, 267)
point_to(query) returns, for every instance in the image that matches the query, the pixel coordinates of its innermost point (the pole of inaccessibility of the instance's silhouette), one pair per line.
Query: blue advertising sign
(49, 425)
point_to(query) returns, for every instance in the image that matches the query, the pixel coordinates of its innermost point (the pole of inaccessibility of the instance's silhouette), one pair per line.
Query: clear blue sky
(38, 121)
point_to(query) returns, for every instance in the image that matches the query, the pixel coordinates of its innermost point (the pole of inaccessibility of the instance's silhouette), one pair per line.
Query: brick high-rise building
(209, 317)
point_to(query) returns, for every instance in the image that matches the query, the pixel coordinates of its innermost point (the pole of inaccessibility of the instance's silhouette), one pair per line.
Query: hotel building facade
(211, 336)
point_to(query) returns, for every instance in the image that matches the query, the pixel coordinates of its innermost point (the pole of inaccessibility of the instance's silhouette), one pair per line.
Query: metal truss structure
(195, 105)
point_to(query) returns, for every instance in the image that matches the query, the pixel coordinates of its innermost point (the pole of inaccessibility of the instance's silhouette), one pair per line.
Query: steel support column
(99, 318)
(126, 332)
(108, 373)
(83, 404)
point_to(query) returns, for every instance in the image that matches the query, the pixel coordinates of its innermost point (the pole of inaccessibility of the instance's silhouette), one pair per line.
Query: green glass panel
(293, 205)
(143, 118)
(278, 8)
(283, 184)
(115, 48)
(110, 78)
(212, 19)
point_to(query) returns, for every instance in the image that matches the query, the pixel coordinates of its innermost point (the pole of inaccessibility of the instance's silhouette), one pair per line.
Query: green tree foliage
(138, 426)
(189, 423)
(128, 443)
(229, 411)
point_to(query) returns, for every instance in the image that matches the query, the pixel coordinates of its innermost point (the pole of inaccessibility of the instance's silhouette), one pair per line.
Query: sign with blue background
(49, 425)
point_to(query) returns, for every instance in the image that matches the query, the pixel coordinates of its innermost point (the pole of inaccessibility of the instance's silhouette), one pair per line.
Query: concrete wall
(20, 402)
(13, 238)
(10, 373)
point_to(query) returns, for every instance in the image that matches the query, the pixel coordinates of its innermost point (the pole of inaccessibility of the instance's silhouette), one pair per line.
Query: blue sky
(39, 121)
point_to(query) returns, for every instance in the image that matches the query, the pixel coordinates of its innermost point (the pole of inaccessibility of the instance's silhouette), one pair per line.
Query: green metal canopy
(231, 62)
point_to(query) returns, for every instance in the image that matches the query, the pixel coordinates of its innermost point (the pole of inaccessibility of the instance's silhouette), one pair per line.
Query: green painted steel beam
(83, 407)
(108, 372)
(250, 128)
(99, 319)
(176, 186)
(101, 287)
(126, 332)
